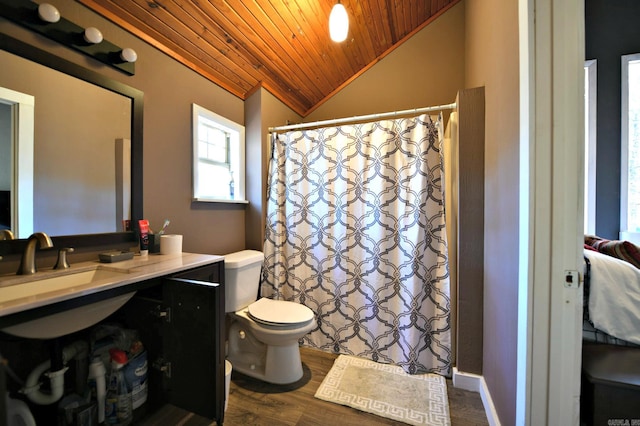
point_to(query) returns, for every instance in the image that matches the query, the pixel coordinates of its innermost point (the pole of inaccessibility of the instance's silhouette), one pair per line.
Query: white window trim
(625, 233)
(239, 183)
(591, 87)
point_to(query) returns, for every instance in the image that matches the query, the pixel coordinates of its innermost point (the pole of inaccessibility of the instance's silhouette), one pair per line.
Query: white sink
(71, 283)
(39, 286)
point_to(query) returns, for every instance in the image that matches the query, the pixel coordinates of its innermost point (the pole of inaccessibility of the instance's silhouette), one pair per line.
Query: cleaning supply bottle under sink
(118, 404)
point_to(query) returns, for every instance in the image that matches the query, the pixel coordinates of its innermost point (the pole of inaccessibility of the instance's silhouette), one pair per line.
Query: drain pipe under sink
(78, 350)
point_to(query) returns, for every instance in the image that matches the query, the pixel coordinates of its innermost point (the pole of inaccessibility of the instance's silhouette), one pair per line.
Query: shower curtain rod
(363, 117)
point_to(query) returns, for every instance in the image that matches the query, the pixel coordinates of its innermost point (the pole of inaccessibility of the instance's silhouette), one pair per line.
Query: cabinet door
(194, 345)
(211, 273)
(3, 392)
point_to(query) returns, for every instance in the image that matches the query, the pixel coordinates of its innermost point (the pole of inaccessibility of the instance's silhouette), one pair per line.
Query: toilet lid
(279, 312)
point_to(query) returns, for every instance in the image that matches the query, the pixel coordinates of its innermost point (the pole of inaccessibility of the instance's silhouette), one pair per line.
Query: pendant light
(338, 23)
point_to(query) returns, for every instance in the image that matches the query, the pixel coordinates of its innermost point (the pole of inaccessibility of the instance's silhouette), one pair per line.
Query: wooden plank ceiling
(281, 45)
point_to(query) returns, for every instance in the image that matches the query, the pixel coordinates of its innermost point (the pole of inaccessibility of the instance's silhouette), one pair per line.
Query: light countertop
(138, 269)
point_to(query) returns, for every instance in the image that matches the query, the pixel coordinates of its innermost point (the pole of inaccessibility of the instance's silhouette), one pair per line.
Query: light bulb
(338, 23)
(48, 13)
(128, 55)
(92, 35)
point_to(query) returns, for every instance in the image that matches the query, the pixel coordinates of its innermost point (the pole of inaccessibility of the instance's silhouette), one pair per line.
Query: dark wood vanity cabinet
(180, 321)
(3, 402)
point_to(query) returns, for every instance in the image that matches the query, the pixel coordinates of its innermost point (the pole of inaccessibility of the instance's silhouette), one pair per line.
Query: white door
(551, 211)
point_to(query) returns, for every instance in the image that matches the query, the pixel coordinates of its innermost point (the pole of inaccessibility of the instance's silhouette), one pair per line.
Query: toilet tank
(241, 278)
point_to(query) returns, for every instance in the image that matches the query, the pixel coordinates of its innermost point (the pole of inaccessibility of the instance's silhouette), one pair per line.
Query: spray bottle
(118, 405)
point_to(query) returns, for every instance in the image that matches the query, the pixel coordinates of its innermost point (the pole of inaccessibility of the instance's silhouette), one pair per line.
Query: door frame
(551, 211)
(21, 161)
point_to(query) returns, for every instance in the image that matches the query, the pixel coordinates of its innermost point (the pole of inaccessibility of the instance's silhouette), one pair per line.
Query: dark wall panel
(612, 29)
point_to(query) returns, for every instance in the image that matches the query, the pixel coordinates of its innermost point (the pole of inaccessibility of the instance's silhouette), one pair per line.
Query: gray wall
(491, 58)
(612, 29)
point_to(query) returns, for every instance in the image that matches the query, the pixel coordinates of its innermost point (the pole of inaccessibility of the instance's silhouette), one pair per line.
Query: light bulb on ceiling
(338, 23)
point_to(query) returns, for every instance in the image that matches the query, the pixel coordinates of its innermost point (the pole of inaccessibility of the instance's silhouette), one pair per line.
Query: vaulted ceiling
(281, 45)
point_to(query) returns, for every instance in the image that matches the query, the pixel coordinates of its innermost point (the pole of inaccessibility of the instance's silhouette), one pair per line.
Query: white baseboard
(476, 383)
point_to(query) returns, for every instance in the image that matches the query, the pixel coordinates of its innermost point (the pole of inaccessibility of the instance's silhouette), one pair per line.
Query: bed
(611, 331)
(611, 292)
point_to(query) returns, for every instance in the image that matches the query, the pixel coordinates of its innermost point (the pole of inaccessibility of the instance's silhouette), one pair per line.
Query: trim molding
(476, 383)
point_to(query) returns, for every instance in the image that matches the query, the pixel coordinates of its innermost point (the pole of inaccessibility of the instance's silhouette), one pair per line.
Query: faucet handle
(62, 262)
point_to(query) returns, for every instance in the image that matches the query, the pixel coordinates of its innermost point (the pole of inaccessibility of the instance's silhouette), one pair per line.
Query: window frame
(591, 102)
(235, 154)
(625, 232)
(227, 147)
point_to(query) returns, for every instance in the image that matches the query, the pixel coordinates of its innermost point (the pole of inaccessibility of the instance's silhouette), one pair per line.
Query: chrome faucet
(28, 261)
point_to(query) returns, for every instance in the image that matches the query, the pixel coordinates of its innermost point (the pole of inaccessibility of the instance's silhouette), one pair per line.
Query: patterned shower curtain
(355, 231)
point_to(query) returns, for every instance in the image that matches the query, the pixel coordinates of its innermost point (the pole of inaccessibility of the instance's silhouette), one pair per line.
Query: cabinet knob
(163, 366)
(162, 312)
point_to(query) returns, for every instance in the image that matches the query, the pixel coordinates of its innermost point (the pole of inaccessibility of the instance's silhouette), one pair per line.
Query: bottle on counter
(118, 404)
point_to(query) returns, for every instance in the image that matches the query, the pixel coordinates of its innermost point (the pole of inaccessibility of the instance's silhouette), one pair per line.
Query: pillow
(591, 239)
(624, 250)
(613, 296)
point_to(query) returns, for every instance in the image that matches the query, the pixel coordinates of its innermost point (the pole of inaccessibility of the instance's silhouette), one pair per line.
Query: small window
(218, 158)
(590, 102)
(630, 147)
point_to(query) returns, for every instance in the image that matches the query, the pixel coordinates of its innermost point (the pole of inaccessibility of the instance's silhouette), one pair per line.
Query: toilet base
(282, 365)
(278, 364)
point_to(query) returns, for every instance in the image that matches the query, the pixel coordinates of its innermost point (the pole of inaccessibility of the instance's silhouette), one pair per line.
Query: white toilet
(263, 333)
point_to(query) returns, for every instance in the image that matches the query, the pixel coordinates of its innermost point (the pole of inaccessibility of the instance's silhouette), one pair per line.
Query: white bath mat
(387, 391)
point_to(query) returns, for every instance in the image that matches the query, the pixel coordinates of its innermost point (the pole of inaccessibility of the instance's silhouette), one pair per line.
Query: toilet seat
(279, 312)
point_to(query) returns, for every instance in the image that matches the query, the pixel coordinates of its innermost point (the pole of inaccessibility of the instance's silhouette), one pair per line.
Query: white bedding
(614, 296)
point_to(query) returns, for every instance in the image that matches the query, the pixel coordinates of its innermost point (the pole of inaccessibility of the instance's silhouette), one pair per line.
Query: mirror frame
(35, 54)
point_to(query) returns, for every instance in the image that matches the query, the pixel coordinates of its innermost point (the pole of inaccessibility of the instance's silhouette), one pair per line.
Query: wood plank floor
(252, 402)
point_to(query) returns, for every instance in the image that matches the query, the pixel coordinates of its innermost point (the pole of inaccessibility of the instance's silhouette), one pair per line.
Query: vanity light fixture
(128, 55)
(45, 19)
(92, 35)
(338, 23)
(48, 13)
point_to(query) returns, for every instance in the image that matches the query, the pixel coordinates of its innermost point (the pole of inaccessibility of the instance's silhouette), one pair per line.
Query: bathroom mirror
(70, 191)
